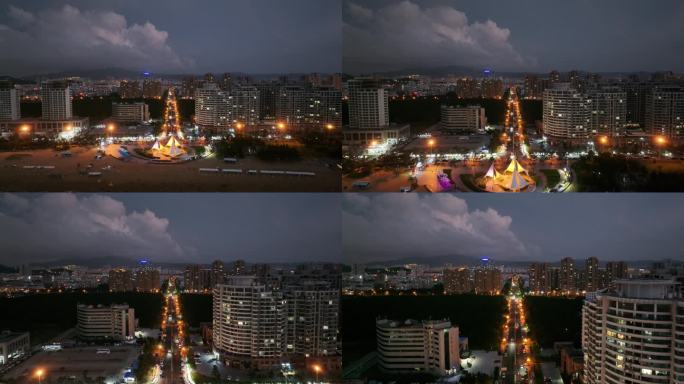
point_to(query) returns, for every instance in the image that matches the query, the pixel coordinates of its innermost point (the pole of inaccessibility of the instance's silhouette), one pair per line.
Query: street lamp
(39, 373)
(329, 126)
(317, 368)
(660, 141)
(281, 125)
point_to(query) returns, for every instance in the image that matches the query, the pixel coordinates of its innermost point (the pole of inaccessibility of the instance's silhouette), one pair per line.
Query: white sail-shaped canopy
(515, 165)
(175, 151)
(156, 145)
(173, 142)
(516, 182)
(492, 172)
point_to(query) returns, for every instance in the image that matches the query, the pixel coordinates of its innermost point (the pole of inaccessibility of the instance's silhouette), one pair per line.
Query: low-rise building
(98, 322)
(13, 345)
(418, 346)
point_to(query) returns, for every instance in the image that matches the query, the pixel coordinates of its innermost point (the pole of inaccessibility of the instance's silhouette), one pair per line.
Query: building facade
(459, 119)
(634, 333)
(13, 345)
(415, 346)
(664, 112)
(10, 103)
(56, 101)
(115, 322)
(130, 112)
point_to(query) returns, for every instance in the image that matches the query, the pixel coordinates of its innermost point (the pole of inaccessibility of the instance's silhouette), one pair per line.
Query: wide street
(173, 340)
(516, 345)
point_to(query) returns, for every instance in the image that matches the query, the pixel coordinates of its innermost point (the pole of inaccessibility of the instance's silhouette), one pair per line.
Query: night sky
(516, 227)
(171, 36)
(186, 227)
(528, 35)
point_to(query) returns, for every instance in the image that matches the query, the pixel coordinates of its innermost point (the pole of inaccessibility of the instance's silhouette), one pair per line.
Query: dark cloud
(405, 34)
(69, 38)
(518, 227)
(162, 227)
(392, 226)
(56, 225)
(171, 36)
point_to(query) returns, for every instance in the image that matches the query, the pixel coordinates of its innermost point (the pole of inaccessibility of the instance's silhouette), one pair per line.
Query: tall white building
(368, 104)
(411, 346)
(463, 119)
(369, 123)
(248, 323)
(566, 116)
(56, 100)
(9, 103)
(634, 334)
(115, 322)
(130, 112)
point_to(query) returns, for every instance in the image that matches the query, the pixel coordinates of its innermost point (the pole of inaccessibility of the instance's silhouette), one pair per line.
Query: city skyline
(511, 228)
(391, 35)
(264, 36)
(170, 228)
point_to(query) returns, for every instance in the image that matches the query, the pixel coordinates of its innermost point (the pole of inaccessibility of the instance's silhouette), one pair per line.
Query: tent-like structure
(516, 182)
(175, 151)
(173, 142)
(515, 165)
(156, 146)
(492, 173)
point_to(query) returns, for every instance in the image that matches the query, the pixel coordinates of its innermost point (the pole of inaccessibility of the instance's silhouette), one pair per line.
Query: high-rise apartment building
(539, 277)
(457, 280)
(130, 89)
(56, 100)
(565, 114)
(592, 275)
(263, 318)
(664, 112)
(607, 111)
(487, 280)
(121, 280)
(368, 104)
(10, 103)
(249, 323)
(568, 276)
(147, 280)
(634, 333)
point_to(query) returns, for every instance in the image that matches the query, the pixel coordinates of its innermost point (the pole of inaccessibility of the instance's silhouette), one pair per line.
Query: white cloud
(61, 225)
(68, 38)
(392, 226)
(403, 34)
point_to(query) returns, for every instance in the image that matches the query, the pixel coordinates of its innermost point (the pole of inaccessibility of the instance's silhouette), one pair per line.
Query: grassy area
(552, 177)
(47, 315)
(469, 181)
(554, 319)
(479, 318)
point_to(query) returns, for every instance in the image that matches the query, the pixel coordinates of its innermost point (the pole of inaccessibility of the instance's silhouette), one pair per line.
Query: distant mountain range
(120, 73)
(100, 262)
(459, 70)
(461, 260)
